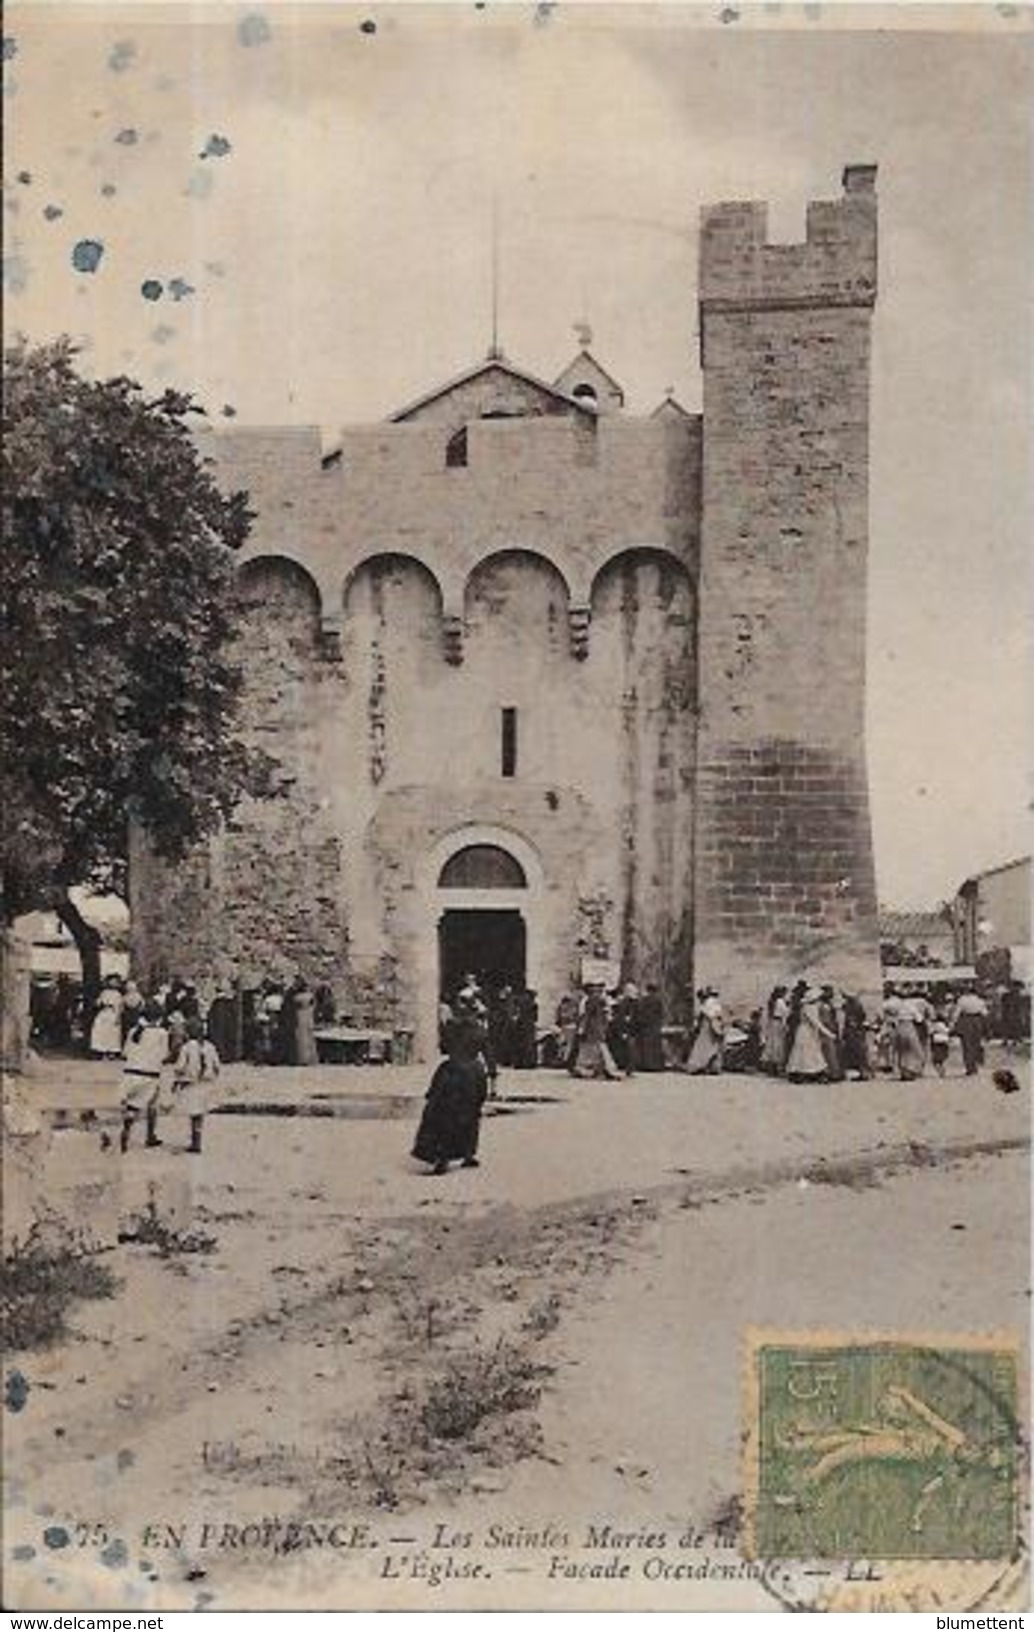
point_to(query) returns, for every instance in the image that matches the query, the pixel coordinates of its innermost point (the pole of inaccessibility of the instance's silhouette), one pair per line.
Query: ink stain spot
(52, 212)
(115, 1555)
(254, 29)
(229, 411)
(125, 1459)
(151, 289)
(128, 137)
(87, 255)
(216, 147)
(543, 11)
(729, 15)
(10, 47)
(16, 1390)
(121, 55)
(163, 334)
(179, 288)
(23, 1553)
(56, 1537)
(368, 26)
(25, 178)
(109, 190)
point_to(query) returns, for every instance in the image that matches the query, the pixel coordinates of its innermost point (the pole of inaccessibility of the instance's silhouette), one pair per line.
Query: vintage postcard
(515, 718)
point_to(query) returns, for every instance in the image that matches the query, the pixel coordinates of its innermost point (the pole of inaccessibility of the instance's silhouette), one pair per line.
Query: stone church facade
(547, 682)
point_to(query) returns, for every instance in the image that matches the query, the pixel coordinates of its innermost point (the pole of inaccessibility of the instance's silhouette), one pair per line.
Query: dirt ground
(368, 1365)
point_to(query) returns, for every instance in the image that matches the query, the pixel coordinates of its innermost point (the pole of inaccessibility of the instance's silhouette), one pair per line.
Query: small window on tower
(509, 741)
(586, 394)
(456, 448)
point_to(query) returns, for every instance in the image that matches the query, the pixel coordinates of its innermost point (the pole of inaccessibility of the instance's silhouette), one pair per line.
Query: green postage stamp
(882, 1447)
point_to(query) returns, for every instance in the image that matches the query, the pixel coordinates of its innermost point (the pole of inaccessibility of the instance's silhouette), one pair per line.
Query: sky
(288, 210)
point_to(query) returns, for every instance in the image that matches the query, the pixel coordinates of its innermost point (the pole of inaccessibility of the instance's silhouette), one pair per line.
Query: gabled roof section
(552, 399)
(585, 361)
(671, 408)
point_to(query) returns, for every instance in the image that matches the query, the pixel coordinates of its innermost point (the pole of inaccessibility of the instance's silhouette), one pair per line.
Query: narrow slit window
(456, 449)
(509, 741)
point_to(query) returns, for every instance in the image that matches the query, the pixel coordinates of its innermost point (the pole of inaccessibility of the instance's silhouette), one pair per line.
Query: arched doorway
(488, 941)
(482, 898)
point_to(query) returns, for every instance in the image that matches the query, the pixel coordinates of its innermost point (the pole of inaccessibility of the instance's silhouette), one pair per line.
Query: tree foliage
(118, 688)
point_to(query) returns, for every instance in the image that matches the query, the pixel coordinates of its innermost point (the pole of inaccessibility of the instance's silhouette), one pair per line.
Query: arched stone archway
(278, 636)
(512, 557)
(495, 920)
(381, 564)
(268, 579)
(671, 569)
(640, 685)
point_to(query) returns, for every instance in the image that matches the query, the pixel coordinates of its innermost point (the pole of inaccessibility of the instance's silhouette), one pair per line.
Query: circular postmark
(910, 1586)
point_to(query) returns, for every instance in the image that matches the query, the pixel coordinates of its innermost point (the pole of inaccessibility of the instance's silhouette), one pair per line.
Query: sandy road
(253, 1381)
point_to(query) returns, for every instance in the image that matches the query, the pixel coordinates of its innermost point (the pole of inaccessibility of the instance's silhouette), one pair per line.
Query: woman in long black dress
(451, 1123)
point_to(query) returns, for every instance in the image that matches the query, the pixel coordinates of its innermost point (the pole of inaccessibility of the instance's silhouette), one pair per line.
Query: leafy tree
(118, 689)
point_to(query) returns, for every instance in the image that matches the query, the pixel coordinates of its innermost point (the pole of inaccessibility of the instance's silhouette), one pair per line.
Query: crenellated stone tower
(784, 865)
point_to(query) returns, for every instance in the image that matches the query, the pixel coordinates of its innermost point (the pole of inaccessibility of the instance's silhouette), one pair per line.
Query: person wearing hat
(592, 1057)
(855, 1039)
(623, 1029)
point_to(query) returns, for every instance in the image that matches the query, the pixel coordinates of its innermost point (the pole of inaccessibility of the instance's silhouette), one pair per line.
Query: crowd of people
(810, 1033)
(509, 1015)
(805, 1033)
(596, 1032)
(173, 1041)
(610, 1033)
(273, 1023)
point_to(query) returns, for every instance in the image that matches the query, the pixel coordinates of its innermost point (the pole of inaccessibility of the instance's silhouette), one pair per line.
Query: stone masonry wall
(785, 879)
(264, 897)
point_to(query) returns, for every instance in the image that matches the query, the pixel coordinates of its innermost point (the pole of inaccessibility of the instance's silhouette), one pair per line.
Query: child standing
(940, 1043)
(197, 1071)
(147, 1054)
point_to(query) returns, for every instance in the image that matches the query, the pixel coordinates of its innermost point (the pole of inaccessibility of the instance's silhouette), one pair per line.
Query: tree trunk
(88, 944)
(15, 966)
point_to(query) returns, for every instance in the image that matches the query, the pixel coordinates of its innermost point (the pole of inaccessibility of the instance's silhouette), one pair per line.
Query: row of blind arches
(672, 579)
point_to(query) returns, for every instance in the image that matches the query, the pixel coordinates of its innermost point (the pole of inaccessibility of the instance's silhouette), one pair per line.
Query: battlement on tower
(834, 266)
